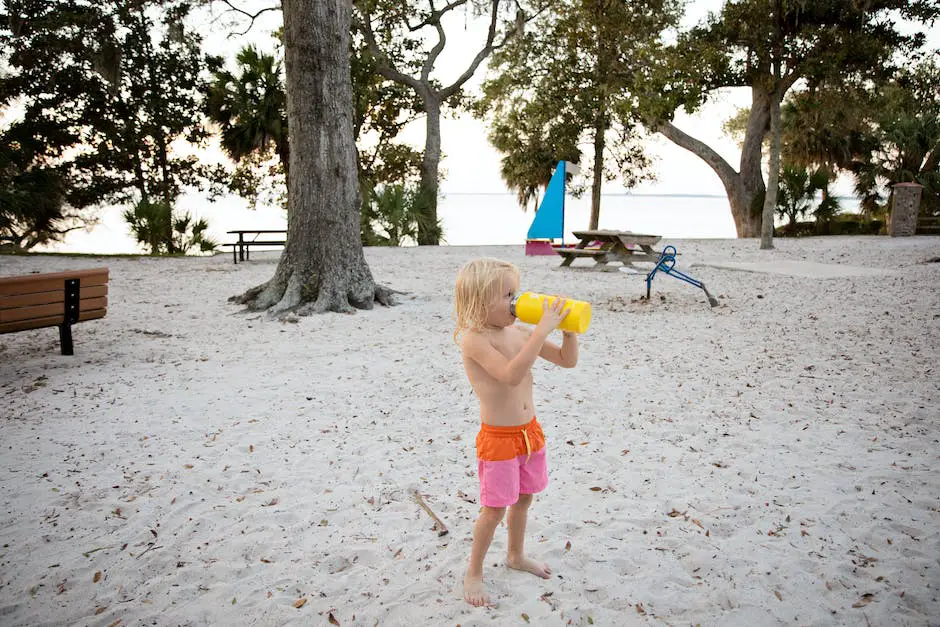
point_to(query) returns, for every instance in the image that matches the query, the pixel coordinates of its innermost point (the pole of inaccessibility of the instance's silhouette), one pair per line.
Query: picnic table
(240, 249)
(605, 246)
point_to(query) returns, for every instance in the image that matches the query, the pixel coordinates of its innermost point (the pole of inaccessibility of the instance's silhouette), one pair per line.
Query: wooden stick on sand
(438, 523)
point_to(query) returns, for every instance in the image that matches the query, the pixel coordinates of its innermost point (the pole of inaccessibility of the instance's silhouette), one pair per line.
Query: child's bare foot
(474, 592)
(530, 566)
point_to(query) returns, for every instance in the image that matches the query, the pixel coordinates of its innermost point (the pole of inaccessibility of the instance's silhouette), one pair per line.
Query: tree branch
(435, 16)
(727, 174)
(384, 65)
(435, 51)
(449, 91)
(250, 16)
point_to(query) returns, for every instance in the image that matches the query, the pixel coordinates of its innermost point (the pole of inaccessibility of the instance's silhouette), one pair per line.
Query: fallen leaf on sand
(778, 595)
(100, 610)
(596, 489)
(568, 545)
(332, 619)
(640, 609)
(97, 577)
(867, 598)
(300, 603)
(187, 465)
(525, 617)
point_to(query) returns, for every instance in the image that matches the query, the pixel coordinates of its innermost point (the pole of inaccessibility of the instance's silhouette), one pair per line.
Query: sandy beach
(772, 460)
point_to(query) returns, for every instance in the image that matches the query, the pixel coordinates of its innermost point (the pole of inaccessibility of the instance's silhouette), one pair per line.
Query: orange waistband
(498, 443)
(507, 430)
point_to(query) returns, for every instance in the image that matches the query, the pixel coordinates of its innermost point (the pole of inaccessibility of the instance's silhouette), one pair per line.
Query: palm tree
(798, 189)
(251, 108)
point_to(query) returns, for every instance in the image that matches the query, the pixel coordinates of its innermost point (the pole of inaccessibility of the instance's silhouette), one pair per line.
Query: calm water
(469, 219)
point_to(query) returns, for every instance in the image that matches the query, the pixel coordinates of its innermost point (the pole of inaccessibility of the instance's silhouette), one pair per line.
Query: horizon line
(643, 194)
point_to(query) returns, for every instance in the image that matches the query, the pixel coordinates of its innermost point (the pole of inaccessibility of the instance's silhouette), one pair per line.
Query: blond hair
(478, 283)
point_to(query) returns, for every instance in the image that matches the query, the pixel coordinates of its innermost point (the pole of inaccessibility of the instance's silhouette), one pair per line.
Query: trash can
(904, 209)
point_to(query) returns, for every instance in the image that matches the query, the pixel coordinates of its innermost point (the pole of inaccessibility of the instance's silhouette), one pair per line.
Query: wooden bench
(55, 299)
(580, 252)
(927, 225)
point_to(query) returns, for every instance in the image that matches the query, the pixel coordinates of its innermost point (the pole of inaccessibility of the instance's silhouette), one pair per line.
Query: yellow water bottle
(528, 308)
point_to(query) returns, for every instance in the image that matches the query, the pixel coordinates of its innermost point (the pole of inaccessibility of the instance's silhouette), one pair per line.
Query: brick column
(904, 209)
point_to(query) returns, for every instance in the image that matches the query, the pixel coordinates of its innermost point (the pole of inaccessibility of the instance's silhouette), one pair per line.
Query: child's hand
(553, 314)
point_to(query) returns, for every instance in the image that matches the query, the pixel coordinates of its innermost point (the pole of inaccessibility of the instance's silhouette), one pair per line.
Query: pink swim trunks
(510, 461)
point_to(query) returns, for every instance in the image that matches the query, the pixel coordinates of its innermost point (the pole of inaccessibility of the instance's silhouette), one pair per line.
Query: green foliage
(404, 41)
(392, 216)
(833, 41)
(250, 108)
(906, 134)
(797, 194)
(572, 78)
(34, 205)
(104, 90)
(163, 231)
(381, 110)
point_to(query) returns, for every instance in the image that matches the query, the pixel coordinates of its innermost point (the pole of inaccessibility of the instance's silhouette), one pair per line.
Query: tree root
(281, 296)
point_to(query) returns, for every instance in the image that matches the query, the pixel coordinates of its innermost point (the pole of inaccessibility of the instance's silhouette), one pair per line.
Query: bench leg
(65, 338)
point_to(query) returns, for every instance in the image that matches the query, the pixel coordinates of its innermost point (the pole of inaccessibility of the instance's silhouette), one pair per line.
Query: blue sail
(550, 216)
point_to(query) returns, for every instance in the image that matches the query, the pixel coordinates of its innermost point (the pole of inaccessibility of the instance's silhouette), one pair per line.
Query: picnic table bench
(61, 299)
(241, 248)
(606, 246)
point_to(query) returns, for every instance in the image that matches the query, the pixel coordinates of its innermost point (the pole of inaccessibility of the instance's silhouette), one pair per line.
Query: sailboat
(549, 221)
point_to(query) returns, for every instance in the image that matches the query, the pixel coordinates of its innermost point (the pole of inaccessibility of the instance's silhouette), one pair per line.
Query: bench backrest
(34, 301)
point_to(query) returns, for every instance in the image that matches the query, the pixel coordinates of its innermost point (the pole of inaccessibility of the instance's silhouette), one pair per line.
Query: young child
(498, 358)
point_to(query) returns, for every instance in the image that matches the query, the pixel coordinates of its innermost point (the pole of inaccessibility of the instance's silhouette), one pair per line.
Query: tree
(382, 109)
(905, 134)
(249, 107)
(155, 99)
(393, 31)
(798, 189)
(570, 79)
(157, 226)
(322, 267)
(394, 209)
(46, 54)
(835, 40)
(105, 91)
(34, 191)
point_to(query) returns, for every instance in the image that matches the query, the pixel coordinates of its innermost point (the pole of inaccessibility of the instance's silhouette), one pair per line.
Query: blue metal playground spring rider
(666, 264)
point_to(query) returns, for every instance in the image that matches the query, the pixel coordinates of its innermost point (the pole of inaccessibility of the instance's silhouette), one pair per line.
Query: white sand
(215, 467)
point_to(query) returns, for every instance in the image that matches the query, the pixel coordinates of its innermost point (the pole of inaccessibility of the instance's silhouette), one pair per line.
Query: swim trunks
(510, 461)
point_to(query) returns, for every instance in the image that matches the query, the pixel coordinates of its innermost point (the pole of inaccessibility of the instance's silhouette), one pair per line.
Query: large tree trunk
(600, 136)
(428, 233)
(773, 174)
(745, 189)
(322, 267)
